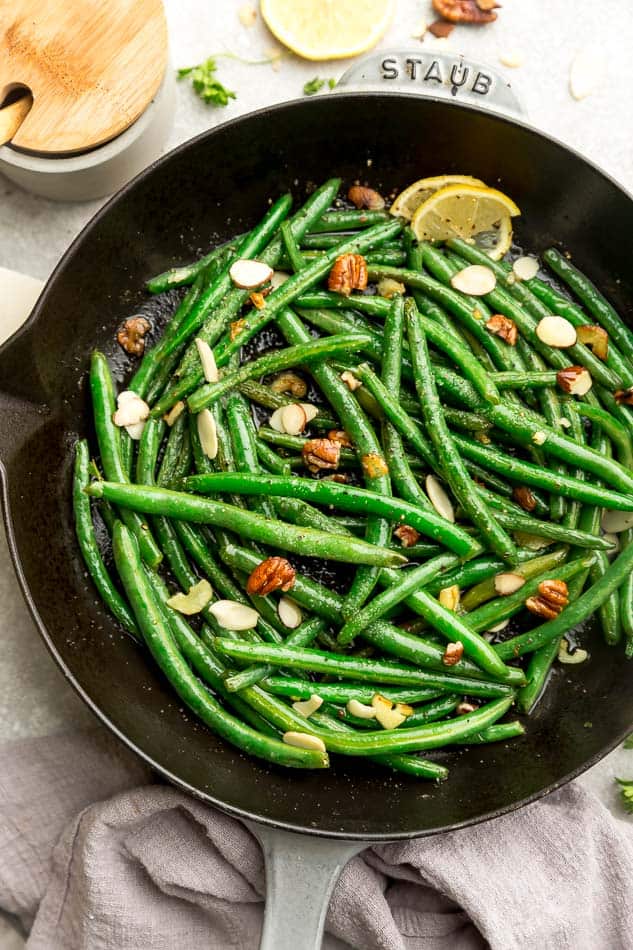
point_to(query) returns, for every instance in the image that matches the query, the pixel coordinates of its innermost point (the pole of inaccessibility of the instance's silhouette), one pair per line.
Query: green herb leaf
(313, 86)
(626, 791)
(628, 743)
(205, 84)
(331, 83)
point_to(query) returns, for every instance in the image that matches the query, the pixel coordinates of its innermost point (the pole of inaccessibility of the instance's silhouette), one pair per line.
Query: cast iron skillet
(211, 188)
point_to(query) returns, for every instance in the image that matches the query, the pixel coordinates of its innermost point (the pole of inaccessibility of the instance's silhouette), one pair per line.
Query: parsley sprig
(316, 85)
(626, 785)
(205, 84)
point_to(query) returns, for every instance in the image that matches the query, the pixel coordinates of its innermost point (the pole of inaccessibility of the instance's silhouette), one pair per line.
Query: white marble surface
(34, 699)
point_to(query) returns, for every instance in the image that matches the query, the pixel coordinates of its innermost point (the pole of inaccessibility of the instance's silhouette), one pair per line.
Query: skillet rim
(31, 322)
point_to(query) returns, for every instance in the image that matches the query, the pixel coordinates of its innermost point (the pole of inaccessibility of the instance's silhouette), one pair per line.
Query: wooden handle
(12, 117)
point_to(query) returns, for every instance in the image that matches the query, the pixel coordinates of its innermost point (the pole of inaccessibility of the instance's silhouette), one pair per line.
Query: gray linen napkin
(95, 857)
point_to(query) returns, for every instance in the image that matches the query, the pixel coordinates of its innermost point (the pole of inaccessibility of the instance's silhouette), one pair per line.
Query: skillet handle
(435, 75)
(301, 871)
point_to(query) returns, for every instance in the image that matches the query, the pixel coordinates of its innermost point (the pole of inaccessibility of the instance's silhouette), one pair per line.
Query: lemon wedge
(409, 200)
(471, 212)
(328, 29)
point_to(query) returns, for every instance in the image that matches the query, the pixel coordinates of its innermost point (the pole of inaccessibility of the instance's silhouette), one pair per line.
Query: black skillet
(207, 190)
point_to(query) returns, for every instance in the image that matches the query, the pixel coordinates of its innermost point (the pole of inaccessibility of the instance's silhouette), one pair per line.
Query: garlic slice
(307, 706)
(302, 740)
(195, 600)
(564, 656)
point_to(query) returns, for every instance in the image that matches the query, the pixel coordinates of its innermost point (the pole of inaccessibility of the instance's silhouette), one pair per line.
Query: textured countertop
(34, 232)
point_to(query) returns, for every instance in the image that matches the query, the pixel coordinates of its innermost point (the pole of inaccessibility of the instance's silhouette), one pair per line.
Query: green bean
(515, 519)
(270, 460)
(151, 619)
(433, 711)
(295, 258)
(535, 379)
(572, 615)
(528, 474)
(149, 446)
(348, 220)
(486, 590)
(271, 363)
(240, 424)
(390, 256)
(401, 473)
(321, 241)
(343, 692)
(303, 636)
(185, 507)
(109, 439)
(626, 595)
(187, 273)
(500, 732)
(326, 300)
(449, 459)
(173, 447)
(345, 497)
(537, 672)
(593, 300)
(359, 669)
(84, 529)
(612, 428)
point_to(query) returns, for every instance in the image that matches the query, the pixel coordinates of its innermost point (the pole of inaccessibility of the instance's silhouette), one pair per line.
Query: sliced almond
(248, 274)
(135, 431)
(439, 499)
(207, 359)
(449, 597)
(279, 277)
(616, 521)
(575, 380)
(512, 59)
(585, 73)
(176, 410)
(525, 268)
(476, 280)
(275, 422)
(308, 706)
(131, 409)
(195, 600)
(556, 331)
(293, 419)
(234, 616)
(289, 382)
(302, 740)
(289, 613)
(360, 710)
(539, 438)
(208, 433)
(564, 656)
(506, 584)
(127, 395)
(498, 627)
(310, 411)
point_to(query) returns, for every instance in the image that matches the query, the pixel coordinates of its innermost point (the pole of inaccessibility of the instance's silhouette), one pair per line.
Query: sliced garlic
(195, 600)
(512, 59)
(135, 431)
(302, 740)
(449, 597)
(131, 409)
(556, 331)
(308, 706)
(566, 424)
(207, 359)
(506, 584)
(248, 274)
(289, 613)
(350, 380)
(539, 438)
(388, 717)
(585, 73)
(293, 419)
(387, 287)
(498, 627)
(439, 499)
(234, 616)
(616, 521)
(564, 656)
(525, 268)
(208, 433)
(176, 410)
(360, 710)
(476, 280)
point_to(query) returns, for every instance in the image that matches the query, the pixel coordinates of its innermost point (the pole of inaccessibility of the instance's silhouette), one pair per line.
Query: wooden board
(92, 67)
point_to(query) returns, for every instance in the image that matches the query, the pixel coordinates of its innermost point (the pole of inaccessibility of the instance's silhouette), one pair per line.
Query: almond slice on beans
(308, 706)
(279, 277)
(525, 268)
(289, 613)
(293, 419)
(476, 280)
(234, 616)
(310, 411)
(506, 584)
(439, 499)
(360, 710)
(275, 422)
(302, 740)
(207, 359)
(498, 627)
(248, 274)
(449, 597)
(575, 380)
(195, 600)
(208, 433)
(613, 522)
(556, 331)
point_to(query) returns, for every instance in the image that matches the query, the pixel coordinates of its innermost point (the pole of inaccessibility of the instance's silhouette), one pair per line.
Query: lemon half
(409, 200)
(328, 29)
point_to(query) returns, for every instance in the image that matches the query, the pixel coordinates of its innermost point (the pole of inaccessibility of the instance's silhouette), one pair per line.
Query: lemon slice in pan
(409, 200)
(472, 212)
(328, 29)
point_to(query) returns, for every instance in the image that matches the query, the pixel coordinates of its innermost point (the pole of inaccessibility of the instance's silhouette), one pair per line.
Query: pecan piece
(338, 435)
(131, 335)
(374, 465)
(503, 327)
(364, 197)
(441, 28)
(453, 653)
(524, 497)
(552, 597)
(348, 273)
(407, 535)
(624, 397)
(321, 454)
(466, 11)
(275, 573)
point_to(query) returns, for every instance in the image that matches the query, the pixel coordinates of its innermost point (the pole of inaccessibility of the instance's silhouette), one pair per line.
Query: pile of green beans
(391, 466)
